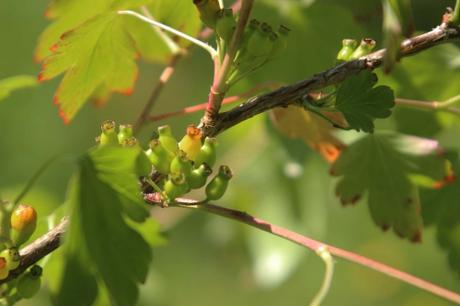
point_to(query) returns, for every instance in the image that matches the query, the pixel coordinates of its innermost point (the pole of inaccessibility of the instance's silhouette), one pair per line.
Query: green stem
(324, 254)
(431, 105)
(34, 179)
(172, 45)
(154, 185)
(317, 111)
(456, 14)
(193, 40)
(450, 101)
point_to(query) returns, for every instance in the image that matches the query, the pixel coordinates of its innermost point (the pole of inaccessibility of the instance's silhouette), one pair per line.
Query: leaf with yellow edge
(297, 123)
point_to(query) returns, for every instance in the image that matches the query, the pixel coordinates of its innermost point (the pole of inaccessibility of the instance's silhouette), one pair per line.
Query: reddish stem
(202, 106)
(315, 244)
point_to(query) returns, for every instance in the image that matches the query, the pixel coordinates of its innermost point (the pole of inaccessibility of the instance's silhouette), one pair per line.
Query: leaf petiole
(172, 45)
(324, 254)
(193, 40)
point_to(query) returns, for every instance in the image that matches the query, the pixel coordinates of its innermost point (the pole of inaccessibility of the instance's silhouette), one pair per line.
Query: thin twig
(38, 249)
(33, 179)
(428, 105)
(314, 245)
(218, 88)
(291, 95)
(164, 78)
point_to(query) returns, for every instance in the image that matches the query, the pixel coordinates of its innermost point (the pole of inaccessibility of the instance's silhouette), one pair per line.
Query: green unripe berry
(108, 135)
(23, 224)
(181, 164)
(348, 47)
(191, 142)
(226, 24)
(167, 139)
(159, 156)
(207, 153)
(143, 166)
(124, 131)
(208, 10)
(29, 283)
(198, 177)
(280, 44)
(218, 185)
(365, 47)
(260, 44)
(242, 53)
(12, 257)
(176, 186)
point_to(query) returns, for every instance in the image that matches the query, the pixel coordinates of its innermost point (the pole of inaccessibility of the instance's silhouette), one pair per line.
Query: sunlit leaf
(98, 53)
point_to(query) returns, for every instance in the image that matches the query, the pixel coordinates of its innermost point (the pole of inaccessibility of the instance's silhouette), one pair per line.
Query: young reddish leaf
(98, 53)
(381, 165)
(361, 102)
(297, 123)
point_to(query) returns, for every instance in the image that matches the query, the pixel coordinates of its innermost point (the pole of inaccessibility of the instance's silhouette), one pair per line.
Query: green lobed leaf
(118, 254)
(11, 84)
(361, 102)
(441, 208)
(98, 53)
(381, 165)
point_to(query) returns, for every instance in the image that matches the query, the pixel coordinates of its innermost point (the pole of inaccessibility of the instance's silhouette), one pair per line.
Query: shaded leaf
(119, 254)
(441, 208)
(361, 103)
(98, 53)
(381, 165)
(11, 84)
(296, 123)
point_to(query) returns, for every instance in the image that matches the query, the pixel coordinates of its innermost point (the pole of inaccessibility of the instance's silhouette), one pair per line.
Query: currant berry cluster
(182, 165)
(18, 225)
(259, 44)
(352, 51)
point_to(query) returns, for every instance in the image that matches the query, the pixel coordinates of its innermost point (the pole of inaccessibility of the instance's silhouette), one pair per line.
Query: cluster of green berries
(352, 51)
(22, 224)
(184, 165)
(260, 42)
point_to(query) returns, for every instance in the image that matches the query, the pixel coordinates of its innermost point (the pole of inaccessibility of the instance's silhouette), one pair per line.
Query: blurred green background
(211, 261)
